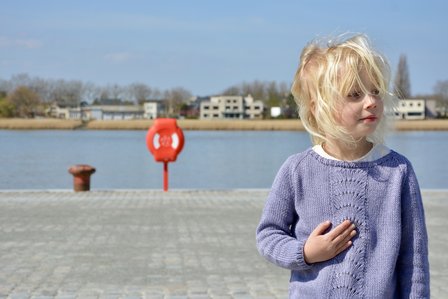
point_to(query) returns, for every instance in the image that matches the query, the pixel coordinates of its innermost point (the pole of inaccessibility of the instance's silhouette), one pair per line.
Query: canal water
(209, 160)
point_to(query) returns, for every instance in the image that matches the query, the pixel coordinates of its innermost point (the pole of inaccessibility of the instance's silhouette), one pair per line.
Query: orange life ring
(165, 140)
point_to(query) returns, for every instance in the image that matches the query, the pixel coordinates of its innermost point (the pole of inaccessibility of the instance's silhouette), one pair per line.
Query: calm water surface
(209, 160)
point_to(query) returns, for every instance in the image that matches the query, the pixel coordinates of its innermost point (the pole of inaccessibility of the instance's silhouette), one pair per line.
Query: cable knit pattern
(389, 255)
(348, 198)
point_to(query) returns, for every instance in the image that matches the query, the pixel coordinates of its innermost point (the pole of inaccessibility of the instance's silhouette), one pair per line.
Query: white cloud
(118, 57)
(29, 43)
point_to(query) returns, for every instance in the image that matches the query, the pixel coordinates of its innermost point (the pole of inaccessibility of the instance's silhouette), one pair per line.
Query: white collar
(376, 152)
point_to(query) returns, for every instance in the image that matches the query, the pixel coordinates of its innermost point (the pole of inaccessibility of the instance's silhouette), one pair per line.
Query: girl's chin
(363, 134)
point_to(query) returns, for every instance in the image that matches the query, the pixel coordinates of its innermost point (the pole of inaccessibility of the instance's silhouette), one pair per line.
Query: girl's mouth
(370, 118)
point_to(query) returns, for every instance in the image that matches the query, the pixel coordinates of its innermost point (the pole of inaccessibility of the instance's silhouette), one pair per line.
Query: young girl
(346, 216)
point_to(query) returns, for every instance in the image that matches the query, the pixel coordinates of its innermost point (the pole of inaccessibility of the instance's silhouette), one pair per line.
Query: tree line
(26, 96)
(37, 94)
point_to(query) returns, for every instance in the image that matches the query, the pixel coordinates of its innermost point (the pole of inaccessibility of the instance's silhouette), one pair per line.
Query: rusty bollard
(81, 176)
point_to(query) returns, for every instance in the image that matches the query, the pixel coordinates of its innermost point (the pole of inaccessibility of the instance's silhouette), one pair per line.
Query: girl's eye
(355, 94)
(375, 92)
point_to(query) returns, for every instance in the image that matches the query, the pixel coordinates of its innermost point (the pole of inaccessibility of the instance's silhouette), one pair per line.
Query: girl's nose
(371, 101)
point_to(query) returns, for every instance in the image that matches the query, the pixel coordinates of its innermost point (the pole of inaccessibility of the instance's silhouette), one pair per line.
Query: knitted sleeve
(413, 264)
(275, 238)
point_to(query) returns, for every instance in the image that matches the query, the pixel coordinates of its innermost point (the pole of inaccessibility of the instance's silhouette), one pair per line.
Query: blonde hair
(326, 75)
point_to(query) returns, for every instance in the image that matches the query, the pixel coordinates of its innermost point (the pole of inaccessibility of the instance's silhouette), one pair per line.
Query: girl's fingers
(321, 228)
(344, 246)
(345, 242)
(339, 230)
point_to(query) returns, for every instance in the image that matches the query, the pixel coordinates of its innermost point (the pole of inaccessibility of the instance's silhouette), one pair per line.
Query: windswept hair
(327, 73)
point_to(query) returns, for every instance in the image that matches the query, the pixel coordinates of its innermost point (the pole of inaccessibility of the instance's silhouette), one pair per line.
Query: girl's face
(359, 113)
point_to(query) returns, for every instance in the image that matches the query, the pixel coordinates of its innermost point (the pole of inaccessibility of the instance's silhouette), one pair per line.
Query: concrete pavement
(151, 244)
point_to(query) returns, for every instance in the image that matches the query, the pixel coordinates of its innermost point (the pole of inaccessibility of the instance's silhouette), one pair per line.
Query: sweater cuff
(301, 264)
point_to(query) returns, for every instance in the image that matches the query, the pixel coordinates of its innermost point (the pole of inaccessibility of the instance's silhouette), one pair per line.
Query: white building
(113, 112)
(151, 110)
(228, 107)
(98, 112)
(58, 112)
(410, 109)
(253, 109)
(276, 111)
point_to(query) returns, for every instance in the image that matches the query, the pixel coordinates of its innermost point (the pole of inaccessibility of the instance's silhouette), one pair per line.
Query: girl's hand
(322, 246)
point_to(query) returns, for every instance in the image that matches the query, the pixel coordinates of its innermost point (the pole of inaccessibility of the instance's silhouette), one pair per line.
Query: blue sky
(207, 46)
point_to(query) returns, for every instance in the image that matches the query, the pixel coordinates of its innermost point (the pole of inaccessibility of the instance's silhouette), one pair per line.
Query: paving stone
(130, 244)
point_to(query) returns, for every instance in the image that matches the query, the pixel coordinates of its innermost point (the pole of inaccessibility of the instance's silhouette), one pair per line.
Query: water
(209, 160)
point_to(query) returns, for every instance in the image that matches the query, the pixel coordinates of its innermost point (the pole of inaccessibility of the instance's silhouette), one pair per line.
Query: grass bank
(422, 125)
(188, 124)
(255, 125)
(39, 124)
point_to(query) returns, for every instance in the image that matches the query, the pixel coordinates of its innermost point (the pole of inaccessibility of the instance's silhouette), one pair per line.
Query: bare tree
(4, 86)
(284, 89)
(139, 92)
(402, 83)
(90, 92)
(103, 93)
(38, 85)
(19, 80)
(264, 91)
(157, 94)
(257, 89)
(232, 91)
(66, 93)
(116, 91)
(441, 95)
(24, 101)
(273, 95)
(441, 89)
(175, 98)
(42, 87)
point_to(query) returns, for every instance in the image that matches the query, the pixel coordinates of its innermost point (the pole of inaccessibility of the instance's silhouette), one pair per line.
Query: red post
(165, 141)
(165, 176)
(81, 177)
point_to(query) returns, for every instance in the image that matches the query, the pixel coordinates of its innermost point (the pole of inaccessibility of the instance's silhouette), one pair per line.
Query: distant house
(114, 112)
(231, 107)
(57, 111)
(99, 112)
(151, 110)
(253, 109)
(431, 109)
(410, 109)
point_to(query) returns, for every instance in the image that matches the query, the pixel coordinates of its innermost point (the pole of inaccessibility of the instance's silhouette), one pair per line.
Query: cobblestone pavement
(151, 244)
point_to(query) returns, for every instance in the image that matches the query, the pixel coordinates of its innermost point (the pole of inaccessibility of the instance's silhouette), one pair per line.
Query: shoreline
(196, 125)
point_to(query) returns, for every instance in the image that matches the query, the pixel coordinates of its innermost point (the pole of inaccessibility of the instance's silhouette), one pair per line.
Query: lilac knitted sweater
(389, 255)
